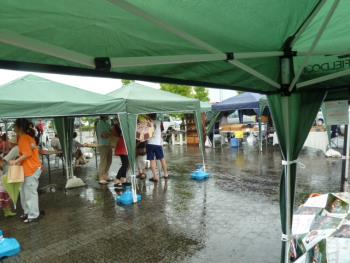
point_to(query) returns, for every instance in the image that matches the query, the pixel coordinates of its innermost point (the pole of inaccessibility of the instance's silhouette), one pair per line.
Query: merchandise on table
(321, 230)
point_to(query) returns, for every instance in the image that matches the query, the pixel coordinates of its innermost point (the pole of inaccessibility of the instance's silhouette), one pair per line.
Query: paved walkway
(233, 217)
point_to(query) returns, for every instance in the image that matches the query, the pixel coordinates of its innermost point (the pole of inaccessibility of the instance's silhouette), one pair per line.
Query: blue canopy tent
(247, 103)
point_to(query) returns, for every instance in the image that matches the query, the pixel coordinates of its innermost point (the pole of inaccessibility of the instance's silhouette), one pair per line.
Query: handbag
(15, 174)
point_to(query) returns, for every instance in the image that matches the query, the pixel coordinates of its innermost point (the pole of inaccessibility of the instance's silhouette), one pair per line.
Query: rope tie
(285, 238)
(300, 164)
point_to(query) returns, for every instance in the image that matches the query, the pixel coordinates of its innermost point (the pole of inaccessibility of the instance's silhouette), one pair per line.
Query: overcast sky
(99, 85)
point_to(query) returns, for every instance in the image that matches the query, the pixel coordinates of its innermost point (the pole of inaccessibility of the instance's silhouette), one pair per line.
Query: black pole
(343, 165)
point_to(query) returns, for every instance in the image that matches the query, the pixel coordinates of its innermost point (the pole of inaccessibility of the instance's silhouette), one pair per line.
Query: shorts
(141, 162)
(154, 152)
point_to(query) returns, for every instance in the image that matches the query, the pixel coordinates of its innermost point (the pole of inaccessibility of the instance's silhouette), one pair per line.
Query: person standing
(141, 159)
(223, 123)
(103, 133)
(56, 145)
(12, 154)
(154, 149)
(4, 145)
(77, 152)
(122, 152)
(5, 201)
(30, 160)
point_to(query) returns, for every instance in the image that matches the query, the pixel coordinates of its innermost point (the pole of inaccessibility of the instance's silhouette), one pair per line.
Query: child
(5, 200)
(141, 159)
(78, 154)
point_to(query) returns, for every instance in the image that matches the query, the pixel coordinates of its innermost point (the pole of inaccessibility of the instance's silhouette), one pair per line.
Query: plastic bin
(234, 143)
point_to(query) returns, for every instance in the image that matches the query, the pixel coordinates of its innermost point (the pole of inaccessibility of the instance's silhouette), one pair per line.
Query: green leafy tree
(201, 93)
(178, 89)
(127, 81)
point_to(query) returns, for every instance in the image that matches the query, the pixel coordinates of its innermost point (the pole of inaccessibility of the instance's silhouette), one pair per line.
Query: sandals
(103, 182)
(118, 186)
(154, 180)
(30, 220)
(24, 216)
(141, 176)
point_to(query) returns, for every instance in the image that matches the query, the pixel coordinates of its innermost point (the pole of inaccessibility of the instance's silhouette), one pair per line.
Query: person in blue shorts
(154, 150)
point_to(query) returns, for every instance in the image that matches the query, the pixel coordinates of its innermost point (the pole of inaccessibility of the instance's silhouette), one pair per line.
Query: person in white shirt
(12, 154)
(154, 150)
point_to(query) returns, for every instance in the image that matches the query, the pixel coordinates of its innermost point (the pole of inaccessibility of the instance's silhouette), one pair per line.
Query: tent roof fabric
(142, 99)
(130, 34)
(205, 106)
(33, 96)
(243, 101)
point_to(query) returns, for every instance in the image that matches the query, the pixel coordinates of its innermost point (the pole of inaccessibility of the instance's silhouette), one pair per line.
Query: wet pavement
(232, 217)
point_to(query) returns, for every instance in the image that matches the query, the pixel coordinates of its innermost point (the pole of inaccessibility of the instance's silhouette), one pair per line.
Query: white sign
(336, 112)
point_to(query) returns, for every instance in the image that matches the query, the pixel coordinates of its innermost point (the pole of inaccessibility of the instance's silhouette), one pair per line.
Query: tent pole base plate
(74, 182)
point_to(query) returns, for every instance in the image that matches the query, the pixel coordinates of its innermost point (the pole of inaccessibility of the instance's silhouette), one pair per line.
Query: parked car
(233, 118)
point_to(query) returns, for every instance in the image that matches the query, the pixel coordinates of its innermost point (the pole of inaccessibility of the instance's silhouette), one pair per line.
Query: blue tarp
(244, 101)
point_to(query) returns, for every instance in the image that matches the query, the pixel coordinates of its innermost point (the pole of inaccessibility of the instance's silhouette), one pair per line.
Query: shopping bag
(208, 143)
(15, 174)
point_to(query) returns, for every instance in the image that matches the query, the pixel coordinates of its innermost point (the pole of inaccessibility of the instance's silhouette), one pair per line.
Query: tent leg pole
(345, 162)
(6, 132)
(260, 134)
(288, 208)
(266, 135)
(287, 183)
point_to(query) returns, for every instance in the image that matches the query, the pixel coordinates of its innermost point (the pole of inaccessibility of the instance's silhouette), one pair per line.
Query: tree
(201, 93)
(177, 89)
(127, 81)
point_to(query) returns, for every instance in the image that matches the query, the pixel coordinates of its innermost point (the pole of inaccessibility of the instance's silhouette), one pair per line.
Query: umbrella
(12, 189)
(321, 230)
(145, 129)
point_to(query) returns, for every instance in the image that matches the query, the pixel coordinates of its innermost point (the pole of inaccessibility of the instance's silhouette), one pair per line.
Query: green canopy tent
(140, 99)
(296, 52)
(35, 97)
(205, 106)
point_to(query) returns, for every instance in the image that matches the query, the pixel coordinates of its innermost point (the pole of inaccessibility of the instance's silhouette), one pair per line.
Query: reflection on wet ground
(232, 217)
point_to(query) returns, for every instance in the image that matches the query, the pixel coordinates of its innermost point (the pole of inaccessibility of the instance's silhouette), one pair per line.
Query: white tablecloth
(317, 140)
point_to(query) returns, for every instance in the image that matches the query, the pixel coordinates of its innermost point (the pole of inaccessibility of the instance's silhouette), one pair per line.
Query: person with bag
(122, 152)
(5, 200)
(29, 160)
